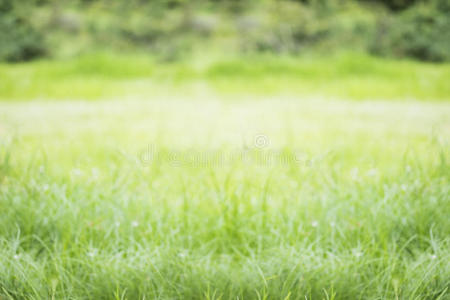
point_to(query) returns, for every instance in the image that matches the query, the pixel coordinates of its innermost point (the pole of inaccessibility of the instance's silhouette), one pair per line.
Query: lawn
(105, 75)
(201, 198)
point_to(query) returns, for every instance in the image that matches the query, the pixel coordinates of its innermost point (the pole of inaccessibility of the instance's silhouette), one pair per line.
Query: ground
(252, 198)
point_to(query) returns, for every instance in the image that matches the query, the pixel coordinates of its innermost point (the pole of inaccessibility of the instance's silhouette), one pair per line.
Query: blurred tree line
(31, 29)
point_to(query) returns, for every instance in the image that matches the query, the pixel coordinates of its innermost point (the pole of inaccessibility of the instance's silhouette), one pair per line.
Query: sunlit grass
(360, 214)
(98, 76)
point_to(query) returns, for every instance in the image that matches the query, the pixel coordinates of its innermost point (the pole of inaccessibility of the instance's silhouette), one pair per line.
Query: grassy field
(152, 194)
(286, 199)
(106, 76)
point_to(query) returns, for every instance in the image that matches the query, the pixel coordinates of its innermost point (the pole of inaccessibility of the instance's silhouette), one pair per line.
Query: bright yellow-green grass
(106, 75)
(200, 198)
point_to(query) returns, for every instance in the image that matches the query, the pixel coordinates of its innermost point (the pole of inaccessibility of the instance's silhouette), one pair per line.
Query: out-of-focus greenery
(229, 167)
(174, 29)
(106, 75)
(422, 31)
(19, 40)
(360, 213)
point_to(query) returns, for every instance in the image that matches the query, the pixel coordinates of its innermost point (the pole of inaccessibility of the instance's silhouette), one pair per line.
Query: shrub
(286, 27)
(396, 4)
(19, 40)
(421, 32)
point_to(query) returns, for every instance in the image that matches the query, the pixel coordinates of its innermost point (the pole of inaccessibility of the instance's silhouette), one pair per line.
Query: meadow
(344, 75)
(122, 177)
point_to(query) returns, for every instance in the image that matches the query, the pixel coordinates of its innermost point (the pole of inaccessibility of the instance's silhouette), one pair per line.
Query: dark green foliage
(172, 28)
(421, 32)
(396, 4)
(18, 39)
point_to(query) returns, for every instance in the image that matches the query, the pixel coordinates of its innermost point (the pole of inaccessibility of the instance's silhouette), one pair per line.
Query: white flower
(314, 223)
(134, 224)
(93, 252)
(433, 256)
(45, 187)
(182, 254)
(16, 256)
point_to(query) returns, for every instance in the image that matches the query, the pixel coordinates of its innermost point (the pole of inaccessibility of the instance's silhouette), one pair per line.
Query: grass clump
(358, 213)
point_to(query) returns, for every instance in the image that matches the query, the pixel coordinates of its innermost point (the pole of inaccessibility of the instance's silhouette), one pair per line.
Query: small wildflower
(134, 224)
(433, 256)
(404, 187)
(16, 256)
(358, 254)
(314, 223)
(332, 224)
(45, 187)
(117, 223)
(93, 252)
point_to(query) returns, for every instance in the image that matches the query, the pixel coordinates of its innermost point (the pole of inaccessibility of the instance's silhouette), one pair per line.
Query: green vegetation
(174, 29)
(224, 149)
(348, 76)
(19, 39)
(88, 213)
(422, 32)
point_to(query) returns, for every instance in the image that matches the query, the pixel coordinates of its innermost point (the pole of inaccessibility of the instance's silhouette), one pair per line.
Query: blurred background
(347, 49)
(117, 198)
(173, 29)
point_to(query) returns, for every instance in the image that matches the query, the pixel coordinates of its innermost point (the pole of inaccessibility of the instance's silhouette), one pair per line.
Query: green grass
(357, 210)
(105, 76)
